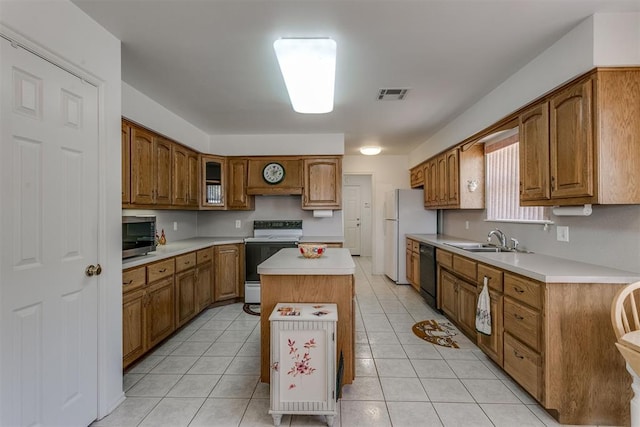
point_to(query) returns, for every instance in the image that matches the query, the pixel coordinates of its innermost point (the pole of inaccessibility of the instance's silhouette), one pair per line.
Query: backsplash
(222, 223)
(609, 237)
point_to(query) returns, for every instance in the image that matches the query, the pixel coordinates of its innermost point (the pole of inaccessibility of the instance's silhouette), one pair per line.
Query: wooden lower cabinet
(133, 327)
(413, 263)
(158, 298)
(549, 337)
(159, 313)
(228, 260)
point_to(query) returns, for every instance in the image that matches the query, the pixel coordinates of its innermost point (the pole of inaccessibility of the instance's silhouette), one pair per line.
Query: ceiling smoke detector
(392, 94)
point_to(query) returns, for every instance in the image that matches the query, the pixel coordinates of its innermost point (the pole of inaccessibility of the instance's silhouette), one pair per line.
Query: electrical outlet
(175, 225)
(562, 233)
(466, 225)
(238, 223)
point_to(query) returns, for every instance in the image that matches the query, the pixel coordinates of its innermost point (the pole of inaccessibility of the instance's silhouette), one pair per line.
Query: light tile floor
(207, 373)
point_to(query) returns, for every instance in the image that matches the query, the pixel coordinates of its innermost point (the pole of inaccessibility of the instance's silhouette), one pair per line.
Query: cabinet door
(492, 344)
(448, 294)
(142, 156)
(409, 265)
(322, 183)
(415, 266)
(162, 171)
(126, 163)
(226, 272)
(467, 307)
(534, 153)
(204, 285)
(193, 173)
(452, 178)
(572, 146)
(133, 327)
(237, 197)
(212, 169)
(186, 305)
(431, 183)
(441, 186)
(160, 319)
(180, 175)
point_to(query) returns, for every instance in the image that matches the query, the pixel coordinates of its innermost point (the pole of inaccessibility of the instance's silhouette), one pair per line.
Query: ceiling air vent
(392, 94)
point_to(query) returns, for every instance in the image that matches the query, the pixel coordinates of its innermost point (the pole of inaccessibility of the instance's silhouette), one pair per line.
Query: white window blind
(502, 187)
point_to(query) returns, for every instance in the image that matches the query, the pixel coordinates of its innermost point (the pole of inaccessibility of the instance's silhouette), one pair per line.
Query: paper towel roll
(572, 210)
(322, 213)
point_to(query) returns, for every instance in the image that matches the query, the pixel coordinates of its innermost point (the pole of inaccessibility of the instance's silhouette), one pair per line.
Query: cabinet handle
(162, 271)
(515, 353)
(517, 316)
(187, 262)
(553, 182)
(518, 290)
(127, 283)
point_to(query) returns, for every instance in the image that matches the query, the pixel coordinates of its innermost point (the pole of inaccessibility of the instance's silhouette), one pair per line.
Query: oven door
(258, 252)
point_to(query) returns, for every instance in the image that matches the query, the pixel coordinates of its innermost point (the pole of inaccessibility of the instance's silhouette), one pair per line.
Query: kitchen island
(289, 277)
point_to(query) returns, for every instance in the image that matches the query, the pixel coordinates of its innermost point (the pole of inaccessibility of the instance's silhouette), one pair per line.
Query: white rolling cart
(303, 360)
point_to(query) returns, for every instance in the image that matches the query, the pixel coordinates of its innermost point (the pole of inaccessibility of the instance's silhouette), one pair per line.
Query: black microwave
(138, 235)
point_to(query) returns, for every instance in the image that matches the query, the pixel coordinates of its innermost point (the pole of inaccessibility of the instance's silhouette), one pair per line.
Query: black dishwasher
(428, 288)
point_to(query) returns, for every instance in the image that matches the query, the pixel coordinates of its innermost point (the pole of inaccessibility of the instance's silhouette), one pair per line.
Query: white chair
(626, 325)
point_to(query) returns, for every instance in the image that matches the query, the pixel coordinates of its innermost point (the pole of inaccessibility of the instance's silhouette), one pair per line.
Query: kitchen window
(502, 185)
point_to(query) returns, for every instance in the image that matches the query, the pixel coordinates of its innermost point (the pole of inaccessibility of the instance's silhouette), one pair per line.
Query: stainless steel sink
(477, 247)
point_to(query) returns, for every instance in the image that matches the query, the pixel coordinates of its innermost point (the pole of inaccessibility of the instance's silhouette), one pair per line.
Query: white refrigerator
(404, 213)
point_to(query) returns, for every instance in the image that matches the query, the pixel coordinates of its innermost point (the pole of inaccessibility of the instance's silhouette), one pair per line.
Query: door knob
(93, 270)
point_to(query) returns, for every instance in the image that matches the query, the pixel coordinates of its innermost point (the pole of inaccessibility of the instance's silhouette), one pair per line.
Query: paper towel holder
(585, 210)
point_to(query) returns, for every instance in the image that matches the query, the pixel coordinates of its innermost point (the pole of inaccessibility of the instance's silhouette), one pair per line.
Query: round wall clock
(273, 173)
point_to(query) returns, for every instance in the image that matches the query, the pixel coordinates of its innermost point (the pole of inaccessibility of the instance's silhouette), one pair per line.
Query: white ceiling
(212, 61)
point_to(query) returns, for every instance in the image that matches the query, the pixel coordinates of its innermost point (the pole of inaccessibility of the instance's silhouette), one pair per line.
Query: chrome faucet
(500, 235)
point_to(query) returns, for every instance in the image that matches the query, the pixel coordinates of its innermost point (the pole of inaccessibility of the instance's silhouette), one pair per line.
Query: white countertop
(179, 247)
(535, 266)
(289, 261)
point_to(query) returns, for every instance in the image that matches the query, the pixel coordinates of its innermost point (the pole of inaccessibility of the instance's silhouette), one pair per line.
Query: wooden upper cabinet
(185, 176)
(322, 183)
(213, 181)
(416, 176)
(452, 183)
(237, 175)
(126, 162)
(291, 182)
(441, 180)
(534, 153)
(162, 170)
(142, 164)
(431, 183)
(571, 141)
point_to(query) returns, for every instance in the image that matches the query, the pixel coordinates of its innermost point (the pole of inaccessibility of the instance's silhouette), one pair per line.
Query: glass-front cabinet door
(213, 185)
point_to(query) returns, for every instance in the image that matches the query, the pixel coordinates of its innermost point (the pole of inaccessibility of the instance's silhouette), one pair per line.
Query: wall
(141, 109)
(222, 223)
(265, 145)
(611, 235)
(388, 172)
(61, 28)
(364, 181)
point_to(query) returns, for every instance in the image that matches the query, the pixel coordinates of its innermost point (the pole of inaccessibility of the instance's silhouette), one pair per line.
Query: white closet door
(49, 228)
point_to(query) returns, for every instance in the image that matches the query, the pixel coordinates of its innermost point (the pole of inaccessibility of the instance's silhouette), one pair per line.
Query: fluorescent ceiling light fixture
(308, 66)
(370, 151)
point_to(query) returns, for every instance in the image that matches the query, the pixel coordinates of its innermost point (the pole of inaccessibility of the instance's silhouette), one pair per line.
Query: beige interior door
(352, 218)
(49, 229)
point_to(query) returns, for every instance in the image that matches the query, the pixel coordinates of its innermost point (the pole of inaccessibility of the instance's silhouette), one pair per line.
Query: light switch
(238, 223)
(562, 233)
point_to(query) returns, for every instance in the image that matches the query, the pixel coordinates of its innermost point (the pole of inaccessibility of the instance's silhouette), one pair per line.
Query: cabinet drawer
(133, 279)
(524, 365)
(160, 269)
(493, 274)
(523, 323)
(465, 267)
(204, 255)
(415, 246)
(185, 262)
(445, 258)
(527, 291)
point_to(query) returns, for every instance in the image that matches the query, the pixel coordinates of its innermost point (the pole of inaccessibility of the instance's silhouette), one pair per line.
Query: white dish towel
(483, 311)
